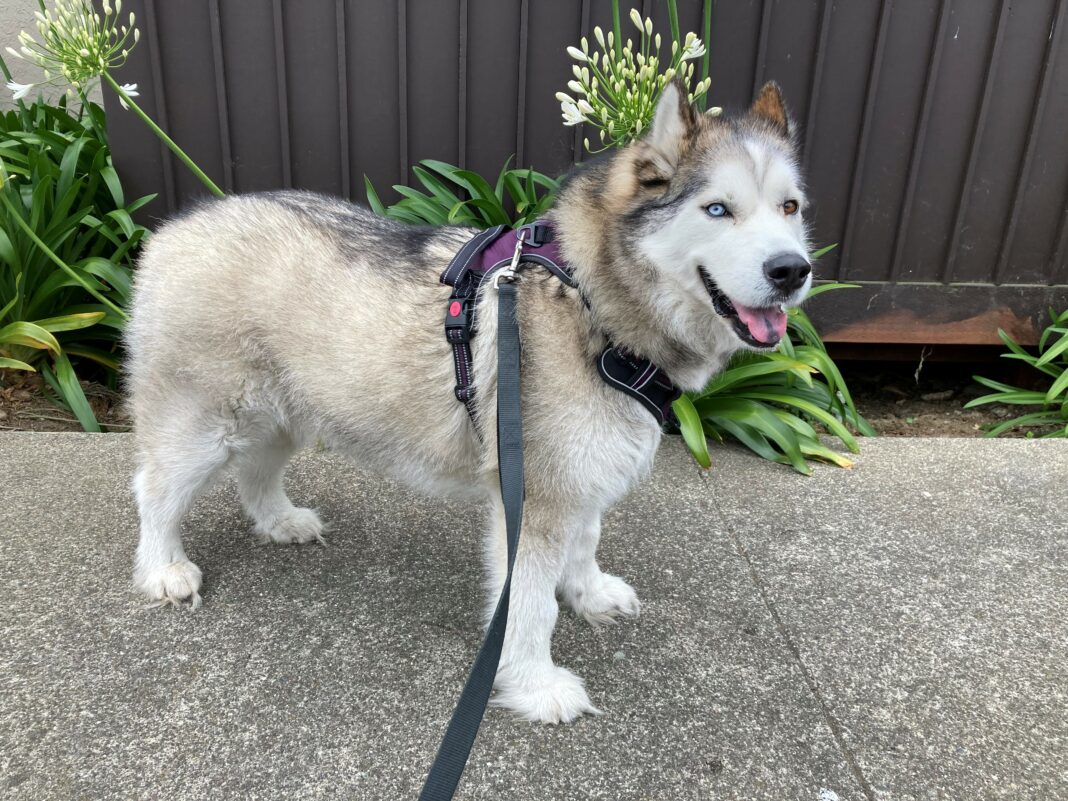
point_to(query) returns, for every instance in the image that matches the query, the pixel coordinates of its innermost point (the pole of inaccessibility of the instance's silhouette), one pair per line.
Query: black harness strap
(641, 379)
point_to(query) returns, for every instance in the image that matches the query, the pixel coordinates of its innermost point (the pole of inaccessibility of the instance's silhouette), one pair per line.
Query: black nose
(787, 271)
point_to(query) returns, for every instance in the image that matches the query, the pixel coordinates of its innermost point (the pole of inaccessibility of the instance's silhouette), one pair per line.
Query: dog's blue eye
(716, 210)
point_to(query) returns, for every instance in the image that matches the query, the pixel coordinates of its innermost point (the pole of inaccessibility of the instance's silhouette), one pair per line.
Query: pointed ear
(769, 106)
(673, 122)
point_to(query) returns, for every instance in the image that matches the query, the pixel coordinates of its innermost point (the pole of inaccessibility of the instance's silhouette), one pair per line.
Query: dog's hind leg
(528, 683)
(260, 468)
(592, 593)
(177, 462)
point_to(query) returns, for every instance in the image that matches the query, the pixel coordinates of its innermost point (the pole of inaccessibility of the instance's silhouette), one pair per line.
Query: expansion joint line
(833, 724)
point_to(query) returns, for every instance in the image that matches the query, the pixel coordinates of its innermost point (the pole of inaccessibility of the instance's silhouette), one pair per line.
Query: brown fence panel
(933, 130)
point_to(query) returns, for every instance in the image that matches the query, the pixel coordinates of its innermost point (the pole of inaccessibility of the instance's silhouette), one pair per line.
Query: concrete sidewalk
(897, 631)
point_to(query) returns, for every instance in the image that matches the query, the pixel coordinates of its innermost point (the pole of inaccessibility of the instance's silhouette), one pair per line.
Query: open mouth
(757, 327)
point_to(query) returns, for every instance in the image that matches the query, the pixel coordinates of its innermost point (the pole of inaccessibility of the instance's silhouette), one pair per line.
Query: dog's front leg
(528, 683)
(592, 593)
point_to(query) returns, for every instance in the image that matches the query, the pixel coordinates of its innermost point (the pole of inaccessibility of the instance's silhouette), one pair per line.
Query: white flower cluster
(77, 44)
(618, 95)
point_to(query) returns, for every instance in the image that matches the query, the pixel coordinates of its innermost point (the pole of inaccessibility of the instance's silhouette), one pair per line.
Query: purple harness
(501, 247)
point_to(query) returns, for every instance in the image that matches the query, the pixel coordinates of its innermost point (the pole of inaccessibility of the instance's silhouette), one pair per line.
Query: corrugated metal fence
(934, 131)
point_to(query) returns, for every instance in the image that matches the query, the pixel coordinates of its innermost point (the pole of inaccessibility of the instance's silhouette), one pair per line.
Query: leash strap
(460, 735)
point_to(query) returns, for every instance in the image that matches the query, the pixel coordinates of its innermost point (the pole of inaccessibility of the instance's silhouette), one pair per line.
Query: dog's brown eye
(790, 207)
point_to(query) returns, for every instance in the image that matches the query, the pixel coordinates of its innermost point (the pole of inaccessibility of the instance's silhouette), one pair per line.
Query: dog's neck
(622, 295)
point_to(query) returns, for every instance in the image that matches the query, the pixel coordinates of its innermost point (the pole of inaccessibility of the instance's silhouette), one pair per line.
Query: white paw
(172, 584)
(602, 598)
(555, 695)
(296, 526)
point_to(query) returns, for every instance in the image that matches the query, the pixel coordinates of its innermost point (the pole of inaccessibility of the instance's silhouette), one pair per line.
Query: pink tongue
(766, 325)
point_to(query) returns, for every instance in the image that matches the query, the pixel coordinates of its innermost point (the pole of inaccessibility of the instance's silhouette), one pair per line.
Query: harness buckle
(458, 319)
(538, 233)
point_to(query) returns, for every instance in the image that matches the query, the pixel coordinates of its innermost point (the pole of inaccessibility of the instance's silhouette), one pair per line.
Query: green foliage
(66, 248)
(1050, 414)
(460, 197)
(773, 402)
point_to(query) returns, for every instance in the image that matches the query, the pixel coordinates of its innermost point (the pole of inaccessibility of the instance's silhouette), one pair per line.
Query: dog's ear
(769, 107)
(673, 122)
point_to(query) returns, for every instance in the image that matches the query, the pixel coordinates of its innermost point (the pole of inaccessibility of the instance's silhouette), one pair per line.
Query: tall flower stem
(673, 19)
(705, 60)
(617, 29)
(170, 143)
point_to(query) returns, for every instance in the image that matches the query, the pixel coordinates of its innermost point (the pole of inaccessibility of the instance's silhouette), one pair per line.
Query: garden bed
(24, 406)
(887, 395)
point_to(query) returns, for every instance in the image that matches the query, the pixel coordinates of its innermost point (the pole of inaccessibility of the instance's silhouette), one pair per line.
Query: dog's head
(701, 231)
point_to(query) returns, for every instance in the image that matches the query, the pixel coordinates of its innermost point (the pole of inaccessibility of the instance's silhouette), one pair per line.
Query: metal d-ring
(508, 274)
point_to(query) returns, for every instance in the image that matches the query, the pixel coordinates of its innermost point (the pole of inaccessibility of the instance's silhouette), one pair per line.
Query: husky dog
(264, 322)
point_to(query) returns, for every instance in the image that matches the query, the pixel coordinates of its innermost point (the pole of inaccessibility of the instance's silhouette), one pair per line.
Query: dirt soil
(913, 400)
(888, 394)
(24, 405)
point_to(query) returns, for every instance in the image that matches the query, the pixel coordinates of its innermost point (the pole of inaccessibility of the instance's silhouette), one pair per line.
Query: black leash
(460, 735)
(487, 254)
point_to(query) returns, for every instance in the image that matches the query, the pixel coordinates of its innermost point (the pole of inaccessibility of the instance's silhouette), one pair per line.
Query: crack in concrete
(836, 729)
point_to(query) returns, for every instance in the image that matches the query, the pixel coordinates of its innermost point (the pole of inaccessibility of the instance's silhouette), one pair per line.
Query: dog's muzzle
(758, 327)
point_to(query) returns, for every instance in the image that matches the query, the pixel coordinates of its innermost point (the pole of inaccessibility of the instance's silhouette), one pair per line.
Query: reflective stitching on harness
(476, 241)
(650, 371)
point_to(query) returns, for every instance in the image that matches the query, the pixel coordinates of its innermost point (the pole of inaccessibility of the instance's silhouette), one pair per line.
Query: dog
(265, 322)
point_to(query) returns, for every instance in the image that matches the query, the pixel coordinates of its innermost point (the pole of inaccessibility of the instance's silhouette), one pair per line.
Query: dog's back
(273, 303)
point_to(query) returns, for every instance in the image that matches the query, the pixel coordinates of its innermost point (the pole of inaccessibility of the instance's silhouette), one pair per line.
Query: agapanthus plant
(616, 88)
(79, 45)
